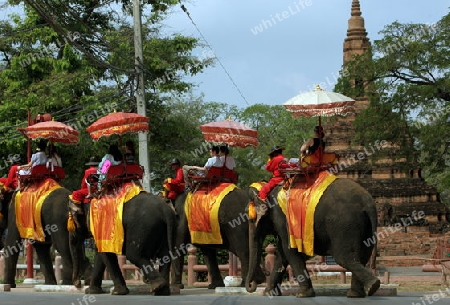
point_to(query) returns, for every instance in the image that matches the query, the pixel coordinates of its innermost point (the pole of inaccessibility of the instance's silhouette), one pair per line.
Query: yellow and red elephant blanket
(106, 218)
(28, 205)
(202, 213)
(299, 205)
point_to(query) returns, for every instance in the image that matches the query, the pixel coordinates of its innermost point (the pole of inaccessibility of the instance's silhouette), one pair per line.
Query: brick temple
(399, 192)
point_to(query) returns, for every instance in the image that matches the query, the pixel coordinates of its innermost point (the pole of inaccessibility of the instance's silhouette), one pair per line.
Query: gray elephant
(149, 225)
(345, 221)
(233, 222)
(54, 218)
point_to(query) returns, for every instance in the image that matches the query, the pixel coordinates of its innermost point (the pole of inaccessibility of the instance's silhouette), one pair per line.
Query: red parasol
(53, 131)
(118, 123)
(320, 103)
(230, 132)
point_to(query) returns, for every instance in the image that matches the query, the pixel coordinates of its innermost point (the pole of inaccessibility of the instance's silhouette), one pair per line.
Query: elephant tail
(372, 236)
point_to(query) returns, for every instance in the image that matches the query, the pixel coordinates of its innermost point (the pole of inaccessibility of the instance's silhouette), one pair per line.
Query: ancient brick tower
(397, 192)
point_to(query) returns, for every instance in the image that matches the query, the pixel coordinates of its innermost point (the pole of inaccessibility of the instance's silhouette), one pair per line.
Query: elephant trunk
(250, 283)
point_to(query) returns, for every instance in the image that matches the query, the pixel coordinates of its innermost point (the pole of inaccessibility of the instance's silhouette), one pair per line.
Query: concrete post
(270, 259)
(192, 261)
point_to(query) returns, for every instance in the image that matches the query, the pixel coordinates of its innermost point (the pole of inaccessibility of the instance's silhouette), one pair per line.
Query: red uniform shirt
(12, 177)
(273, 164)
(179, 177)
(91, 170)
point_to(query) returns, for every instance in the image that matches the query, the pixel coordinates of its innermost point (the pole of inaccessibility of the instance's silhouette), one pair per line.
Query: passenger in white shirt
(38, 158)
(213, 161)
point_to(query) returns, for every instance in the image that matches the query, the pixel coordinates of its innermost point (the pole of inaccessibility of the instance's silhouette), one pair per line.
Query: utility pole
(140, 92)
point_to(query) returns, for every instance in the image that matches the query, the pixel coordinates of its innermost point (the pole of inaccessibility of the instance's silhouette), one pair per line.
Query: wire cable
(210, 47)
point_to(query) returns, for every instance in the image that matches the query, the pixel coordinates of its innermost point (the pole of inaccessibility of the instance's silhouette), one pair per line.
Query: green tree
(75, 60)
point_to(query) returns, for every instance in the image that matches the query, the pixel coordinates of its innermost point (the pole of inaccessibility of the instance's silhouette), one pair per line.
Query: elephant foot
(372, 287)
(77, 283)
(305, 292)
(122, 290)
(214, 285)
(156, 284)
(163, 291)
(94, 290)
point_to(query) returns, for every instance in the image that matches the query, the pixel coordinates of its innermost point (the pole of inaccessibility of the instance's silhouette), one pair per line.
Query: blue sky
(292, 51)
(276, 49)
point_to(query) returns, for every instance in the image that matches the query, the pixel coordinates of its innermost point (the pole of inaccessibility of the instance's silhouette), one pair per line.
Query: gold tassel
(251, 210)
(70, 223)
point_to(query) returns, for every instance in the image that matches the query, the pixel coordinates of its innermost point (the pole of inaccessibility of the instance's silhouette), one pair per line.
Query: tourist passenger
(214, 160)
(225, 158)
(38, 158)
(113, 157)
(130, 153)
(314, 143)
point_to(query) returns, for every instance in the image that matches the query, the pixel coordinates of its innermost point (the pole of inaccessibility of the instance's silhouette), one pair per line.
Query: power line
(218, 60)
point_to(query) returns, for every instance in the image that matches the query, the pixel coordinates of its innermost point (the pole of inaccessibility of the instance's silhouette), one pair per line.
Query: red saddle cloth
(214, 176)
(124, 172)
(42, 172)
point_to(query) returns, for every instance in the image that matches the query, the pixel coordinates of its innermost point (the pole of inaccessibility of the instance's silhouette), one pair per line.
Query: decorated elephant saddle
(202, 212)
(28, 206)
(105, 217)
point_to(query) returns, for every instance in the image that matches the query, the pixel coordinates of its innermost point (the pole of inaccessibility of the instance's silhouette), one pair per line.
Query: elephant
(54, 218)
(345, 222)
(233, 219)
(149, 229)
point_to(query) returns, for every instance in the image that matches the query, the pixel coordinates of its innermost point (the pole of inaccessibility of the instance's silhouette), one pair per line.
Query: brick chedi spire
(357, 41)
(398, 191)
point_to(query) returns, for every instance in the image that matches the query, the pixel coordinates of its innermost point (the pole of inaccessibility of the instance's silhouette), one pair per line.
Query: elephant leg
(46, 264)
(13, 246)
(297, 262)
(62, 245)
(182, 239)
(363, 281)
(150, 273)
(112, 264)
(95, 286)
(213, 268)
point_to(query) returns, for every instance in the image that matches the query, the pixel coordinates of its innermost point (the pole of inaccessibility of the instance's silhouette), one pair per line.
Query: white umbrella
(320, 103)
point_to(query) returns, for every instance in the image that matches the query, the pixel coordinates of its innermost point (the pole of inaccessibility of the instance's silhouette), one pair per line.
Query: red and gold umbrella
(53, 131)
(230, 132)
(118, 123)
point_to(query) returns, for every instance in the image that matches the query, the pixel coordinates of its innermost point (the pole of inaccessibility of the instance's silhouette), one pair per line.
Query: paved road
(205, 296)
